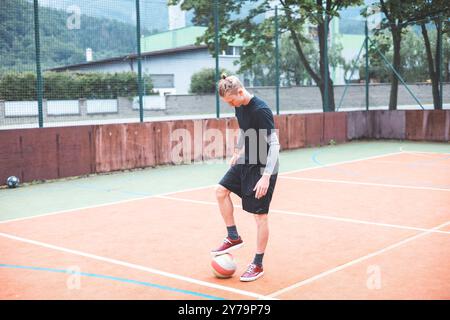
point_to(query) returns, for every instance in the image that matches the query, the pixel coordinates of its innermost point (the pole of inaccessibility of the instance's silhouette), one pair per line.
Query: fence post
(139, 58)
(440, 63)
(39, 82)
(216, 49)
(366, 30)
(277, 63)
(325, 62)
(2, 112)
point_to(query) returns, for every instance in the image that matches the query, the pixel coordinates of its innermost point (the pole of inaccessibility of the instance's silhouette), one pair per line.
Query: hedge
(72, 86)
(203, 82)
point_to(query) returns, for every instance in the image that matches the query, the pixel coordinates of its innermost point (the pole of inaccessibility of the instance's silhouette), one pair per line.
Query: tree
(413, 58)
(259, 37)
(433, 12)
(400, 14)
(293, 72)
(397, 16)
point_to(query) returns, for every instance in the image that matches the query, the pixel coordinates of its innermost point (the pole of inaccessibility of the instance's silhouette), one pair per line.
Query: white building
(170, 58)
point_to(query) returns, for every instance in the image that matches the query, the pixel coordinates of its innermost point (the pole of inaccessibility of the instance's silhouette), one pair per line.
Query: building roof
(129, 57)
(176, 38)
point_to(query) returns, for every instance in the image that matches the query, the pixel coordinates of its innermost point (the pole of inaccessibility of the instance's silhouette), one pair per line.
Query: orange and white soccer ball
(223, 266)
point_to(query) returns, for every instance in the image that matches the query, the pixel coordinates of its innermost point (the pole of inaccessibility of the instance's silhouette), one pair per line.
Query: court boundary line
(372, 184)
(136, 266)
(421, 164)
(426, 152)
(183, 190)
(101, 205)
(112, 278)
(317, 216)
(353, 262)
(339, 163)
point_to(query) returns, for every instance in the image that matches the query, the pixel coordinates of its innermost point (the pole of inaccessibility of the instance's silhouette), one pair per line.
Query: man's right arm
(238, 148)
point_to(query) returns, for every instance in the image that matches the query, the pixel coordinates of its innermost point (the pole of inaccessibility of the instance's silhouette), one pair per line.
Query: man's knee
(222, 192)
(261, 219)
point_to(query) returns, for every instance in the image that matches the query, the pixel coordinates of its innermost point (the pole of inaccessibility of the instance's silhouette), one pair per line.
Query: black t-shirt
(256, 121)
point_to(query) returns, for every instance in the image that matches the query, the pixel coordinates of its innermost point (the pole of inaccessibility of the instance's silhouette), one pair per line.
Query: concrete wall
(50, 153)
(308, 98)
(298, 99)
(376, 124)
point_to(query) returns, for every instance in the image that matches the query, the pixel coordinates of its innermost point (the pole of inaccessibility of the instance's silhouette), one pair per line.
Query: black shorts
(241, 179)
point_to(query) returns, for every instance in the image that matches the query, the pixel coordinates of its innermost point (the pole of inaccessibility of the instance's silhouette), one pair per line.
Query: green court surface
(74, 193)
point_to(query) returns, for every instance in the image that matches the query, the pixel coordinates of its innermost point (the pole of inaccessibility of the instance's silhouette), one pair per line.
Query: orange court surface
(375, 227)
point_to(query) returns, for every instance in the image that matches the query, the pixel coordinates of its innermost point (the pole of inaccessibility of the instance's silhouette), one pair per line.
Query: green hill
(59, 45)
(154, 13)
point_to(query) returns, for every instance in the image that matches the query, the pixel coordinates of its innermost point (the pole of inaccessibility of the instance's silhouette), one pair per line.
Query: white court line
(339, 163)
(366, 184)
(355, 261)
(135, 266)
(424, 163)
(424, 152)
(180, 191)
(317, 216)
(102, 205)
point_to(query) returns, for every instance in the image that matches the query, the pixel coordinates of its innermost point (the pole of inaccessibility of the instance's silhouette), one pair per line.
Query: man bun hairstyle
(228, 85)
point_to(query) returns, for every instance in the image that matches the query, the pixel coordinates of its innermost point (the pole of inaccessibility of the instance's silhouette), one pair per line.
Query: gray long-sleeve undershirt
(272, 155)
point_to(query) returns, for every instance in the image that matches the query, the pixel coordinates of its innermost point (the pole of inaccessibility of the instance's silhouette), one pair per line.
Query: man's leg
(225, 205)
(260, 210)
(233, 241)
(262, 237)
(255, 269)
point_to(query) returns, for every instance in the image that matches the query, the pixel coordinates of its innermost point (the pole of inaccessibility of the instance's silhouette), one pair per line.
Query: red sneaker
(253, 272)
(227, 246)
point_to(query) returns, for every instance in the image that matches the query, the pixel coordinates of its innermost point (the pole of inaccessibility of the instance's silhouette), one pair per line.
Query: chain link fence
(74, 62)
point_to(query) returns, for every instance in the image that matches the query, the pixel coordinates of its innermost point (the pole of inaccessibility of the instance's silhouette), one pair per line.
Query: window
(163, 80)
(229, 51)
(232, 51)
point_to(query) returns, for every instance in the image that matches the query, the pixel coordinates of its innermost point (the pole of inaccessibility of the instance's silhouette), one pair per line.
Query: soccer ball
(13, 182)
(223, 266)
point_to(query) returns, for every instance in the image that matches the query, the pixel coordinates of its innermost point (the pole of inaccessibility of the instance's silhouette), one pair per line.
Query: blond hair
(229, 84)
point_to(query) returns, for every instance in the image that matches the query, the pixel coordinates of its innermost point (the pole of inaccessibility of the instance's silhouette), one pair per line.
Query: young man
(253, 172)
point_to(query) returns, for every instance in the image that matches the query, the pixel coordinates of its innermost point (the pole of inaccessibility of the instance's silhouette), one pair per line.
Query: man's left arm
(272, 155)
(266, 122)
